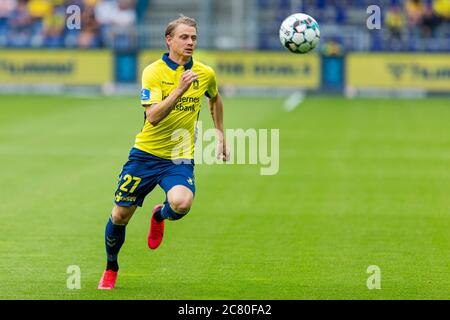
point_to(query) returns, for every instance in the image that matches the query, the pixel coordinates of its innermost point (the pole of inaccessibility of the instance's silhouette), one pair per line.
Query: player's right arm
(158, 111)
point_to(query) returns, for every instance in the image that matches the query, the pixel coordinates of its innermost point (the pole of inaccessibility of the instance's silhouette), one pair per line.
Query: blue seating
(337, 13)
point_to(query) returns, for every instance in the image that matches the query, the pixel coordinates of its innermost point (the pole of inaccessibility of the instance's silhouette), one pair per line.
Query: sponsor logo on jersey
(145, 94)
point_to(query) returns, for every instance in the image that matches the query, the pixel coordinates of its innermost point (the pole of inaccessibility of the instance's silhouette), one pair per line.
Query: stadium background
(363, 162)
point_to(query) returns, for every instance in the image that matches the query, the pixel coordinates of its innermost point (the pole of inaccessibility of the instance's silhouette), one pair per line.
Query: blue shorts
(143, 171)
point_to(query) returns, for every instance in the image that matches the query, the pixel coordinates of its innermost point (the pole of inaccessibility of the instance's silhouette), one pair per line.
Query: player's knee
(181, 205)
(121, 215)
(180, 199)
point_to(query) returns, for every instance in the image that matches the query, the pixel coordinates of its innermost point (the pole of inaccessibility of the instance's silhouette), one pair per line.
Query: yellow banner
(248, 68)
(56, 66)
(416, 71)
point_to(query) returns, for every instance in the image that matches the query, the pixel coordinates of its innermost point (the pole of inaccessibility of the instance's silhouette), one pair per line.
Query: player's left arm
(216, 108)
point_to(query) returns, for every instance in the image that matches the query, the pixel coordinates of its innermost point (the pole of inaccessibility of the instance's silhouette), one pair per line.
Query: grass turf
(361, 182)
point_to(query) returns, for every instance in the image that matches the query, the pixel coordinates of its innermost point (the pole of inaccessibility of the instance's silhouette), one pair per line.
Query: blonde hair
(181, 20)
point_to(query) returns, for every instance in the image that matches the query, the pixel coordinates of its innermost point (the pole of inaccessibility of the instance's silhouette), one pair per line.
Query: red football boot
(108, 280)
(156, 232)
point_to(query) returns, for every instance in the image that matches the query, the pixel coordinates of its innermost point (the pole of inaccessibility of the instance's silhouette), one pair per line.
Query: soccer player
(163, 153)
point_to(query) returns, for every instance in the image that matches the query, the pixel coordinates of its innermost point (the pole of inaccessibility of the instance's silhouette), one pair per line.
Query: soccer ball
(299, 33)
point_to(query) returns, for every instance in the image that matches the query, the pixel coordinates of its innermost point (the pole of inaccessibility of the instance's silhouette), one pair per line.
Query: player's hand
(222, 151)
(186, 80)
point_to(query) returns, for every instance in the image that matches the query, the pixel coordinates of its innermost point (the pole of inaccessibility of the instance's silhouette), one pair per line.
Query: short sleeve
(151, 86)
(212, 89)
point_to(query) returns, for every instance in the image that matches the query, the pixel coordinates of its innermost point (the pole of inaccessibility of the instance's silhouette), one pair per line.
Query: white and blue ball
(299, 33)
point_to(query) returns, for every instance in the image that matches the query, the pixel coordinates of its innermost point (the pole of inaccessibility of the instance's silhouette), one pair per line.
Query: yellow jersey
(174, 136)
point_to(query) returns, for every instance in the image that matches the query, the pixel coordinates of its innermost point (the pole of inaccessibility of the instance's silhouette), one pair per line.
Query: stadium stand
(410, 25)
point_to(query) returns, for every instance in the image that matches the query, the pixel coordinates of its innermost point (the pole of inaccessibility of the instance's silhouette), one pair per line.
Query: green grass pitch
(361, 182)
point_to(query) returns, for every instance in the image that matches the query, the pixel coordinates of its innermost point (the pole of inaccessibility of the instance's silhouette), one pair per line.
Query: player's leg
(178, 203)
(114, 239)
(179, 186)
(136, 180)
(115, 233)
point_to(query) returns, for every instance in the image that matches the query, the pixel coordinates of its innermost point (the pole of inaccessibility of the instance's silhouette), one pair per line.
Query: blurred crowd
(43, 23)
(406, 25)
(114, 23)
(418, 19)
(340, 10)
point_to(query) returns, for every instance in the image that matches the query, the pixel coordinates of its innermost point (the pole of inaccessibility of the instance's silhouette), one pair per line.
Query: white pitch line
(293, 101)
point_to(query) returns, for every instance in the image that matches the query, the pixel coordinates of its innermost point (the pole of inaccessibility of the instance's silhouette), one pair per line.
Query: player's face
(183, 41)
